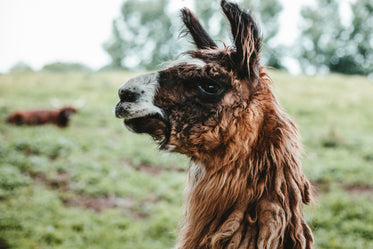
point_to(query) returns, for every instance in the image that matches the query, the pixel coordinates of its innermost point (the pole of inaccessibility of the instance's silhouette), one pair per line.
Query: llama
(245, 186)
(59, 117)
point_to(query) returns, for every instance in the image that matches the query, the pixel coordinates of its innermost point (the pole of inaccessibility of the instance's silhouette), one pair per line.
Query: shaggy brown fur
(58, 117)
(246, 188)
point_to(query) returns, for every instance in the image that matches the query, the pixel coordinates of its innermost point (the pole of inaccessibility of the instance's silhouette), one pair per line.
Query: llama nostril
(126, 95)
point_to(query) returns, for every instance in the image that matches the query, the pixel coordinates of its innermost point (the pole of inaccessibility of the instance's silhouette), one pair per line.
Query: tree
(146, 32)
(143, 36)
(326, 44)
(20, 67)
(65, 67)
(362, 35)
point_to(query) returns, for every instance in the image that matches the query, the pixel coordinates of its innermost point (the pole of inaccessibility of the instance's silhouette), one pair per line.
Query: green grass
(96, 185)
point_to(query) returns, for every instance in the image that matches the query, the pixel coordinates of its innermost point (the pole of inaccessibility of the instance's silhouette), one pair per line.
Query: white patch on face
(145, 86)
(185, 59)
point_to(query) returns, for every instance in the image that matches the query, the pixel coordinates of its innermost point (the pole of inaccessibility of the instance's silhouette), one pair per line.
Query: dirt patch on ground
(155, 170)
(151, 170)
(129, 205)
(101, 203)
(359, 189)
(59, 182)
(355, 190)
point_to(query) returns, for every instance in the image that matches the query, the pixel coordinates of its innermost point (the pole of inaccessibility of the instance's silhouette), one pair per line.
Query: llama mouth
(153, 124)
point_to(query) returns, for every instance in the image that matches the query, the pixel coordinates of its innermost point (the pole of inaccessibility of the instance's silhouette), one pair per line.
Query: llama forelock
(185, 58)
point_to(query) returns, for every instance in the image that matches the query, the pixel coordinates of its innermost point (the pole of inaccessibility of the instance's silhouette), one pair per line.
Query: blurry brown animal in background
(59, 117)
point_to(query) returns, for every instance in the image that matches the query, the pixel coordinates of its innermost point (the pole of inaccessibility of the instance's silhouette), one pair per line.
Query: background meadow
(96, 185)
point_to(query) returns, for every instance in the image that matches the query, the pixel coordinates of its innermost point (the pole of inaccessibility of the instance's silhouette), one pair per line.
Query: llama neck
(228, 186)
(210, 200)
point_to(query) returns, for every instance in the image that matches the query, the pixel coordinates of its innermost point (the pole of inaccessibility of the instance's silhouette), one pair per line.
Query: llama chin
(245, 188)
(152, 124)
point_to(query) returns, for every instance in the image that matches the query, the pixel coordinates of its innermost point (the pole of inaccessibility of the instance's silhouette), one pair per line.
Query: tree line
(149, 32)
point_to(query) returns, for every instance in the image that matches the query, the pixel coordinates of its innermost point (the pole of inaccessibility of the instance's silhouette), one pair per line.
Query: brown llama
(59, 117)
(245, 187)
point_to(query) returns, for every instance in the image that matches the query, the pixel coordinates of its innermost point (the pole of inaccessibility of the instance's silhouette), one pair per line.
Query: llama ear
(247, 39)
(199, 34)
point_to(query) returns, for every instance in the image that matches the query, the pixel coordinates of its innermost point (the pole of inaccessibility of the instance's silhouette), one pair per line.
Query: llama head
(64, 115)
(67, 111)
(193, 106)
(15, 118)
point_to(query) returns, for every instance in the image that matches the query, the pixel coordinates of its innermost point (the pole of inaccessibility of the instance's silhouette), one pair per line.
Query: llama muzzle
(137, 108)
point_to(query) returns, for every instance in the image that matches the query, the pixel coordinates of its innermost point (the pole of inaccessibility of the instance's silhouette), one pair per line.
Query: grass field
(96, 185)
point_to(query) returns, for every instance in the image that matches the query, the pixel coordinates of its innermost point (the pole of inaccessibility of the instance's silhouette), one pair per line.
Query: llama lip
(152, 124)
(128, 110)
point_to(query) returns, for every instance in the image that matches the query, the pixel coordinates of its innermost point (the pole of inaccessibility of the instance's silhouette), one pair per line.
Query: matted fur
(249, 193)
(245, 188)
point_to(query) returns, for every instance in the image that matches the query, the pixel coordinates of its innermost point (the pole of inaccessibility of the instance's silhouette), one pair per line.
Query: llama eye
(210, 88)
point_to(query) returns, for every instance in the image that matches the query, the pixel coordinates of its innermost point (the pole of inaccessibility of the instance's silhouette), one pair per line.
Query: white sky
(42, 31)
